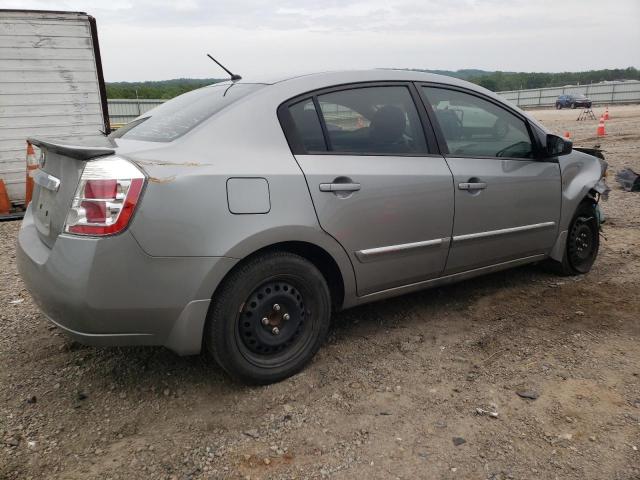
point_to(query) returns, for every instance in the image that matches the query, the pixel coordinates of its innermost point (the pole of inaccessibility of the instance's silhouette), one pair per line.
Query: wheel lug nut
(286, 316)
(275, 331)
(265, 321)
(276, 307)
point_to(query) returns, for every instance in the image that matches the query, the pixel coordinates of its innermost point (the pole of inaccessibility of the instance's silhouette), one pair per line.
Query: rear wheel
(573, 105)
(558, 106)
(269, 318)
(583, 241)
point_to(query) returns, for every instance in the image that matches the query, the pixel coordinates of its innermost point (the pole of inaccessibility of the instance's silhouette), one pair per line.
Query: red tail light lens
(101, 188)
(106, 197)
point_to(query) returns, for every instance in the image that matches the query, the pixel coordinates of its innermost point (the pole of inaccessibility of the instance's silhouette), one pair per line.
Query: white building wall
(49, 85)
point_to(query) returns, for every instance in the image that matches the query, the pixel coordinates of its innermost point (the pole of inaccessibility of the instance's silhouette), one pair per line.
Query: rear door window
(372, 120)
(176, 117)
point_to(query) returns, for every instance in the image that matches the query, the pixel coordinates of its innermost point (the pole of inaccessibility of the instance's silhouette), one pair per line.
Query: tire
(288, 293)
(583, 241)
(558, 106)
(573, 106)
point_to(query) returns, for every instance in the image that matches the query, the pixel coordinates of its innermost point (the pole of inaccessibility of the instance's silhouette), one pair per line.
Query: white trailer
(51, 85)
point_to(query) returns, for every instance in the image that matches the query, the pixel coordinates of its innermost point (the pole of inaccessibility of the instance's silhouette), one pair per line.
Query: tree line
(497, 81)
(501, 81)
(162, 89)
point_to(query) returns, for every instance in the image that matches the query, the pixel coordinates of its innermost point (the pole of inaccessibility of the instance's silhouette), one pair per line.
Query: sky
(162, 39)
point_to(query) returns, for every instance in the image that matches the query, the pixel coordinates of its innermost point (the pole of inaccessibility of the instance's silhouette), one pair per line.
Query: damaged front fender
(583, 176)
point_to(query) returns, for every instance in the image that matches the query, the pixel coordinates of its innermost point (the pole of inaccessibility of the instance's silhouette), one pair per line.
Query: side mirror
(557, 146)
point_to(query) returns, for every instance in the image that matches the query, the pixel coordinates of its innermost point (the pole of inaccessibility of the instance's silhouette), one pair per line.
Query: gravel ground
(518, 375)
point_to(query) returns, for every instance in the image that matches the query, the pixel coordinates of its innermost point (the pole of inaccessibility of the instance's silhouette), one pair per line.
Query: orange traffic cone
(567, 134)
(5, 204)
(32, 164)
(606, 114)
(600, 132)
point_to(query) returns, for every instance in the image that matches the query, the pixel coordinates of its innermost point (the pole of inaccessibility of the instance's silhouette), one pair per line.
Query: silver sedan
(237, 217)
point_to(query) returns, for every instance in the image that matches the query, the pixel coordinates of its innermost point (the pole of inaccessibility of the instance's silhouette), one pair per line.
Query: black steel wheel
(583, 241)
(272, 321)
(269, 318)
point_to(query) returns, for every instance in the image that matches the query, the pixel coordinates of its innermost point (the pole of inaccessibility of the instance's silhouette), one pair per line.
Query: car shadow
(457, 296)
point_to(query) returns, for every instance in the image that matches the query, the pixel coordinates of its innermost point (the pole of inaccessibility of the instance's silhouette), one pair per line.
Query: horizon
(430, 70)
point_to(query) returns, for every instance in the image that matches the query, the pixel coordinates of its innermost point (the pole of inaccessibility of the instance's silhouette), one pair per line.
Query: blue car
(572, 101)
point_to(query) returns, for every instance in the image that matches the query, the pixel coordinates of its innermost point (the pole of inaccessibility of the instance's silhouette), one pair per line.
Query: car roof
(299, 84)
(337, 77)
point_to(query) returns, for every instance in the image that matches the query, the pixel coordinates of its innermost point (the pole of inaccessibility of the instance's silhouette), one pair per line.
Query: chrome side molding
(371, 254)
(46, 181)
(504, 231)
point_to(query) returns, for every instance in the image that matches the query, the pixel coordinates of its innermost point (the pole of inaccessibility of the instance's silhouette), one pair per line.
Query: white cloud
(157, 39)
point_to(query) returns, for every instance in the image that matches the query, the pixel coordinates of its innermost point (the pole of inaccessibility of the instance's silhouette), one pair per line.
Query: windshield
(179, 115)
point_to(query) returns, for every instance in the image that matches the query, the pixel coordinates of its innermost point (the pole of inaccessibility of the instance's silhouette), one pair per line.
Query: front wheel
(583, 241)
(573, 105)
(558, 106)
(269, 318)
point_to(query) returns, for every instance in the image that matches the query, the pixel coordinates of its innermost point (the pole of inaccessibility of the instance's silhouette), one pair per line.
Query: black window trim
(297, 147)
(323, 125)
(538, 153)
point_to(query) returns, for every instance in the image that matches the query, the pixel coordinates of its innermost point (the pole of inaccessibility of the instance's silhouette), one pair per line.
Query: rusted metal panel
(51, 85)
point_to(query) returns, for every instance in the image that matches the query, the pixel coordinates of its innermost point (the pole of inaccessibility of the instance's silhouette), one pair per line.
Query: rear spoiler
(78, 152)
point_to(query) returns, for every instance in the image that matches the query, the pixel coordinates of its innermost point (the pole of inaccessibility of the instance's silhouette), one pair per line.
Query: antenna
(234, 77)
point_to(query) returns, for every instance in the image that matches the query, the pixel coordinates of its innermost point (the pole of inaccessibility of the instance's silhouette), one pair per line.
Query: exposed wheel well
(319, 257)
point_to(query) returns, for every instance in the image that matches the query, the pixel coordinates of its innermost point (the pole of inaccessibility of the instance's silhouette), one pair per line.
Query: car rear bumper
(108, 292)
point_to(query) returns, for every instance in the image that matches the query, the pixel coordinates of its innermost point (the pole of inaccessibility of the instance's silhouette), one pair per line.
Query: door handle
(339, 187)
(472, 186)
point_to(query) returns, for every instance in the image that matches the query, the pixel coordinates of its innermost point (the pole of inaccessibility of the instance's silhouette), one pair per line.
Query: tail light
(106, 197)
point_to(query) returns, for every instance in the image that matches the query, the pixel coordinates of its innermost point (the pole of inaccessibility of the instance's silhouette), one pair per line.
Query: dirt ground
(393, 394)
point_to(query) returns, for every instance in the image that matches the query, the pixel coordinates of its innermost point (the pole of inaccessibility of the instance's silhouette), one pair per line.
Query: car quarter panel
(84, 285)
(185, 209)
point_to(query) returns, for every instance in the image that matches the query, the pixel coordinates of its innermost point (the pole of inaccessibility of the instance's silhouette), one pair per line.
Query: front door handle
(339, 187)
(472, 186)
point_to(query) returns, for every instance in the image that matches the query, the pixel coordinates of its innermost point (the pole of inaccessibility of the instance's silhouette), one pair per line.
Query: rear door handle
(339, 187)
(472, 186)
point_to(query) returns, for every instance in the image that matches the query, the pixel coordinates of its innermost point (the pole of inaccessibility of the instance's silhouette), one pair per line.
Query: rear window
(179, 115)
